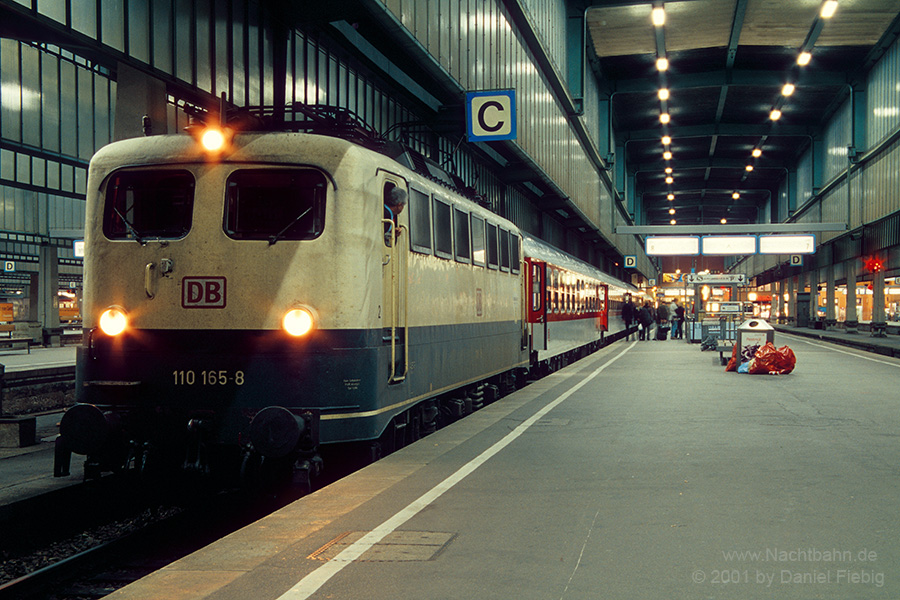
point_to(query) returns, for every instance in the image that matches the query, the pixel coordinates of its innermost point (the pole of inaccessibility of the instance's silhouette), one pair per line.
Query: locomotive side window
(493, 260)
(275, 204)
(148, 204)
(443, 232)
(462, 243)
(478, 250)
(420, 221)
(504, 250)
(514, 257)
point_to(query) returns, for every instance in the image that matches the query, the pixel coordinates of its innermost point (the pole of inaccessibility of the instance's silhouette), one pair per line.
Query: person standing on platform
(645, 321)
(678, 322)
(662, 321)
(629, 315)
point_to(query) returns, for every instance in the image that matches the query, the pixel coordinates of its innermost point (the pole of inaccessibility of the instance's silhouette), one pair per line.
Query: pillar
(879, 322)
(48, 294)
(851, 323)
(830, 316)
(813, 297)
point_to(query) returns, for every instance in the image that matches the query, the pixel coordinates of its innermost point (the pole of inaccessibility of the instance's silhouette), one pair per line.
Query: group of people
(645, 316)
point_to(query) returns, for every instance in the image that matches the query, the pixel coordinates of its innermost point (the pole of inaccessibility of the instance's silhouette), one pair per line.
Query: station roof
(728, 63)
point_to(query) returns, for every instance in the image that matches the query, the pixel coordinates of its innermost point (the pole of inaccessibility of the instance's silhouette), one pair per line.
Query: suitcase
(662, 333)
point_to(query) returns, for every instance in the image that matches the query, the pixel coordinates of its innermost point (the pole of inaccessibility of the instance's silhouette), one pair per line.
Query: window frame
(482, 238)
(416, 221)
(495, 263)
(461, 219)
(438, 229)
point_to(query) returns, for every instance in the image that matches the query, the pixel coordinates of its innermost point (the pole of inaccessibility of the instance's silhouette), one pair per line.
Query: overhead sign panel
(787, 244)
(672, 245)
(727, 245)
(716, 278)
(491, 115)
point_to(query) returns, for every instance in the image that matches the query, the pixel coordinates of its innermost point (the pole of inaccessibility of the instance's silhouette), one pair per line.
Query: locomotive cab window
(275, 204)
(515, 258)
(148, 204)
(504, 250)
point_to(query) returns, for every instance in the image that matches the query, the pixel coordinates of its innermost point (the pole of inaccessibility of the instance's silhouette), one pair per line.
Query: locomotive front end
(215, 322)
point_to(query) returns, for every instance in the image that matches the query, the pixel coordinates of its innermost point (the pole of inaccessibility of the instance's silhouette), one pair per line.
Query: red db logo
(203, 292)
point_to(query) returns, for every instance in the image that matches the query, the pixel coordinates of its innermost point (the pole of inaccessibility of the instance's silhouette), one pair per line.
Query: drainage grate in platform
(398, 546)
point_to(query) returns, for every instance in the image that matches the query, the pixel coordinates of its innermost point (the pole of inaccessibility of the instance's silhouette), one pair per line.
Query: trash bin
(751, 334)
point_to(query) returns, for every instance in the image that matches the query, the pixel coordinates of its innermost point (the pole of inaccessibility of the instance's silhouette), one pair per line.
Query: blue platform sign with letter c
(491, 116)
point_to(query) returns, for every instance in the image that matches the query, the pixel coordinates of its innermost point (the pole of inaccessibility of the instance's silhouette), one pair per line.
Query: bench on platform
(15, 344)
(722, 348)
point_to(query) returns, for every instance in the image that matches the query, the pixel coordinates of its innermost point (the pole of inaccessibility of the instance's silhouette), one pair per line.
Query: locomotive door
(394, 277)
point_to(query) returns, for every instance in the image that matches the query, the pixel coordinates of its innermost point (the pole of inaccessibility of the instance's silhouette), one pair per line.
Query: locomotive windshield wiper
(130, 227)
(278, 235)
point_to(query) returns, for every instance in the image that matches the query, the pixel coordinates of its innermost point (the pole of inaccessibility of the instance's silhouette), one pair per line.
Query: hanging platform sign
(716, 278)
(491, 115)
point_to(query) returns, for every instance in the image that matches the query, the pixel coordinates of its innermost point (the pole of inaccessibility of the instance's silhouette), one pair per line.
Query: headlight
(113, 321)
(213, 140)
(298, 321)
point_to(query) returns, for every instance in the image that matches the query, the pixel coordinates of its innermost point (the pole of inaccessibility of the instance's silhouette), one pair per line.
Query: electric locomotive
(248, 304)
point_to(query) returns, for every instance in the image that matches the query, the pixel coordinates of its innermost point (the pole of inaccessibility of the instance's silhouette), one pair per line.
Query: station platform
(642, 471)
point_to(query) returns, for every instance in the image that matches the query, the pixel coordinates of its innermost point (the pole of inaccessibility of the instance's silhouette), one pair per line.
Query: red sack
(733, 362)
(774, 361)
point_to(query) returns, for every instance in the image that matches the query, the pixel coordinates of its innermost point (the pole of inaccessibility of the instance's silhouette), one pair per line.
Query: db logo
(203, 292)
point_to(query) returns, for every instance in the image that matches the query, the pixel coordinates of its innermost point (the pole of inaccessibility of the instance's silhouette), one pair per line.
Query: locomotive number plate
(218, 378)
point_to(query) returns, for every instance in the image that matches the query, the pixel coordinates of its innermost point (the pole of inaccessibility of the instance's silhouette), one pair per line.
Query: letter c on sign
(481, 112)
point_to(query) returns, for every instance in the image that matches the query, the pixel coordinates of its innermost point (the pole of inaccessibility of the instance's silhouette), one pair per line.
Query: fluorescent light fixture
(669, 170)
(788, 89)
(775, 114)
(727, 245)
(659, 16)
(670, 197)
(804, 59)
(662, 63)
(787, 244)
(667, 155)
(671, 211)
(666, 140)
(672, 222)
(748, 168)
(736, 195)
(670, 180)
(828, 9)
(665, 245)
(757, 152)
(723, 221)
(664, 118)
(663, 93)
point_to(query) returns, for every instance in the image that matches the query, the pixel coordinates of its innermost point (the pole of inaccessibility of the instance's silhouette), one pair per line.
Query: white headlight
(298, 322)
(113, 321)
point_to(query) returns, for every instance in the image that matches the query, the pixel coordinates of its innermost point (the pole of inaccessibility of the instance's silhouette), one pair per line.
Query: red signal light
(874, 265)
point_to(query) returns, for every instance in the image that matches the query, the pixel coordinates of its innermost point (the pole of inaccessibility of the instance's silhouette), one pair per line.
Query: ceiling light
(662, 63)
(670, 179)
(804, 59)
(663, 93)
(667, 155)
(659, 16)
(736, 195)
(775, 114)
(666, 140)
(828, 9)
(668, 170)
(723, 221)
(670, 197)
(749, 168)
(756, 153)
(788, 89)
(672, 222)
(671, 211)
(664, 118)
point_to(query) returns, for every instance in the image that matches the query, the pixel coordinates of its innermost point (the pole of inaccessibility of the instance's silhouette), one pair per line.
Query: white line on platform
(869, 358)
(307, 586)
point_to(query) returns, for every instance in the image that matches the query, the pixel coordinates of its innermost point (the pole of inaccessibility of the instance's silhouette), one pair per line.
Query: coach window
(504, 250)
(443, 230)
(419, 221)
(492, 258)
(154, 204)
(535, 288)
(462, 245)
(478, 249)
(275, 204)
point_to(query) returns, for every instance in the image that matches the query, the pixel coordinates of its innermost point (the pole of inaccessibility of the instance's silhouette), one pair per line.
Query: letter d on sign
(203, 292)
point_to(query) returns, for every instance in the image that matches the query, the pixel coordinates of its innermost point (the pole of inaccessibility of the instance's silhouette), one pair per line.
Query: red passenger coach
(568, 302)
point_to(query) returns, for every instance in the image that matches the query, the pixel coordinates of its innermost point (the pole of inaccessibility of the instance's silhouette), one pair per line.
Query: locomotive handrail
(399, 305)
